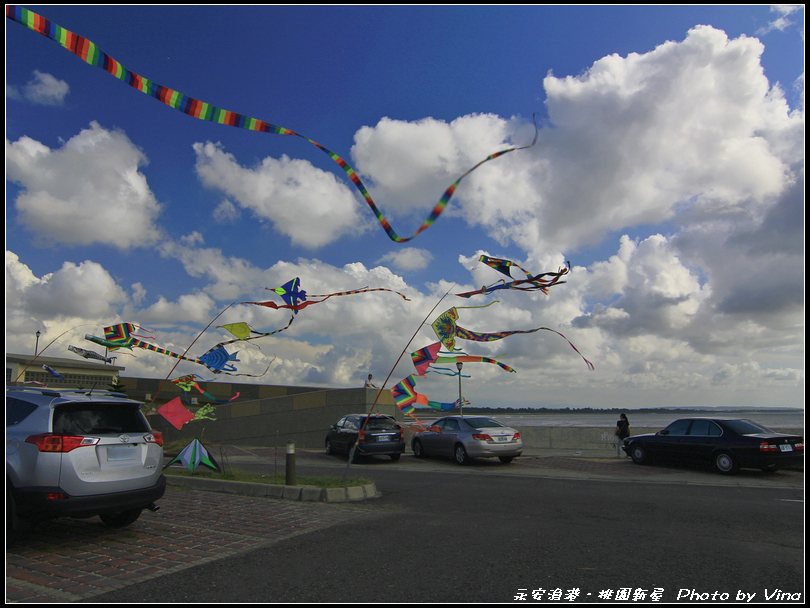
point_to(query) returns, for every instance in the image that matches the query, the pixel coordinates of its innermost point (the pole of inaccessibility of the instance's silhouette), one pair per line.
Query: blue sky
(669, 170)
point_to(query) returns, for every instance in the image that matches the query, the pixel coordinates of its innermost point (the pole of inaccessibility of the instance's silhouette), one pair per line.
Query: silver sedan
(466, 437)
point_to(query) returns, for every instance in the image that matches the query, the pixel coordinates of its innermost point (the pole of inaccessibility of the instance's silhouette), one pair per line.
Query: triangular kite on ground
(194, 455)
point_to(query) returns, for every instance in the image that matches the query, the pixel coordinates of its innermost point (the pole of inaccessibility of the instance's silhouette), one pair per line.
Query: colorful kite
(405, 395)
(89, 354)
(194, 455)
(217, 359)
(296, 299)
(245, 332)
(536, 282)
(175, 413)
(429, 355)
(186, 383)
(90, 53)
(53, 372)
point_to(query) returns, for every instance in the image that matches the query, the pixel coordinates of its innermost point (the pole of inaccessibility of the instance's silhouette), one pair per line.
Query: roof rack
(56, 392)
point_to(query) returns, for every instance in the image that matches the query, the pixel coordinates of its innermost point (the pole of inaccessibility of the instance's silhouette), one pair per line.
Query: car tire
(638, 453)
(119, 520)
(418, 450)
(394, 457)
(725, 463)
(460, 454)
(506, 459)
(771, 468)
(329, 449)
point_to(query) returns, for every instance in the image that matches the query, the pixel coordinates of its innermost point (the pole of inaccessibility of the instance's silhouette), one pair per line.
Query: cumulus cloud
(85, 191)
(408, 258)
(42, 89)
(300, 201)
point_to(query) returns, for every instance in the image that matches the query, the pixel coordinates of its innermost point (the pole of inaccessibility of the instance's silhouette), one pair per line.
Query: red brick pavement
(67, 560)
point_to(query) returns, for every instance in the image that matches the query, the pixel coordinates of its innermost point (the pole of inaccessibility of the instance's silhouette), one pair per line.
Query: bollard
(290, 469)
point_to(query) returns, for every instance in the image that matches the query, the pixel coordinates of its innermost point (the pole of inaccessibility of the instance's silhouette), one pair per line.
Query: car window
(440, 424)
(679, 427)
(482, 423)
(17, 410)
(382, 423)
(351, 424)
(341, 422)
(451, 425)
(98, 418)
(746, 427)
(705, 428)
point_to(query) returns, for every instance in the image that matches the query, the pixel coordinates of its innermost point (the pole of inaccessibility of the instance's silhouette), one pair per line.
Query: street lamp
(459, 365)
(36, 346)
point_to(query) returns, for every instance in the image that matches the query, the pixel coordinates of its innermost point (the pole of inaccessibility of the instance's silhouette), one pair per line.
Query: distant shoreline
(589, 410)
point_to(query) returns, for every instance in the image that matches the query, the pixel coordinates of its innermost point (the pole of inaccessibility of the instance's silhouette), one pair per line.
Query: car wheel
(771, 468)
(329, 449)
(119, 520)
(725, 463)
(638, 453)
(461, 454)
(418, 451)
(394, 457)
(506, 459)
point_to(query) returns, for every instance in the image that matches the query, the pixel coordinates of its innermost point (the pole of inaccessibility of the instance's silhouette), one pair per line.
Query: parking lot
(69, 560)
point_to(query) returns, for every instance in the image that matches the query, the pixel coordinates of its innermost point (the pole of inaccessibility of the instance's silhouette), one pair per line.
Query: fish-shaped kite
(89, 354)
(537, 282)
(53, 372)
(87, 51)
(296, 299)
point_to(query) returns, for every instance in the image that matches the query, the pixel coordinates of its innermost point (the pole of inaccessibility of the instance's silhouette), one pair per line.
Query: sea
(777, 419)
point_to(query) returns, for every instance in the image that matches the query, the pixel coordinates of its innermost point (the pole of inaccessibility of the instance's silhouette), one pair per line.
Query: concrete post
(289, 478)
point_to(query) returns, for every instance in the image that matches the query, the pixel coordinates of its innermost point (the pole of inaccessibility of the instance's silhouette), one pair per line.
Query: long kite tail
(90, 53)
(362, 290)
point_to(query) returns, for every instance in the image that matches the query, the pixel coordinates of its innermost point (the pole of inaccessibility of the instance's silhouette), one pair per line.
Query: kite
(53, 372)
(447, 331)
(91, 54)
(536, 282)
(243, 331)
(405, 395)
(296, 299)
(89, 354)
(194, 455)
(217, 359)
(186, 383)
(428, 355)
(175, 413)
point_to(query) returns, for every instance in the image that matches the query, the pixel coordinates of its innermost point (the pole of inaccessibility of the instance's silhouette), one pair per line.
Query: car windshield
(482, 423)
(87, 418)
(379, 424)
(746, 427)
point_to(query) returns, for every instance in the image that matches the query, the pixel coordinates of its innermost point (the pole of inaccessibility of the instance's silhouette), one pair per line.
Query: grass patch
(273, 480)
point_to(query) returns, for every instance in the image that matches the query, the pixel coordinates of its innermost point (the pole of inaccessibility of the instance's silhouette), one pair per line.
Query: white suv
(79, 453)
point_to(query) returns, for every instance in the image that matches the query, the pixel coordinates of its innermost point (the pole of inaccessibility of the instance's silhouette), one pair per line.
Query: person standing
(622, 432)
(369, 383)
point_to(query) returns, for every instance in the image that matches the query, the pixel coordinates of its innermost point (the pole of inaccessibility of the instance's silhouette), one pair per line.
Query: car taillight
(53, 442)
(766, 447)
(800, 445)
(517, 436)
(154, 437)
(361, 436)
(56, 496)
(482, 437)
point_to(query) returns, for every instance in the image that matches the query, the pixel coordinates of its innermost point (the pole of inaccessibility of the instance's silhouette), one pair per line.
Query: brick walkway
(68, 560)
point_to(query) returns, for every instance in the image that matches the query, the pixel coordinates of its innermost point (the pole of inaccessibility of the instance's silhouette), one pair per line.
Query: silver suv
(78, 453)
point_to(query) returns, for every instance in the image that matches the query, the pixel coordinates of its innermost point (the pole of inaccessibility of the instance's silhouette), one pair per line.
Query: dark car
(374, 435)
(75, 453)
(728, 445)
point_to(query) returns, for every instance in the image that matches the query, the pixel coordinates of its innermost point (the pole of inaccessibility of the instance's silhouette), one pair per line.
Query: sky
(668, 170)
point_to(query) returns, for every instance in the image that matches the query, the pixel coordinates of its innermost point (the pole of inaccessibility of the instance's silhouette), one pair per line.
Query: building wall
(262, 415)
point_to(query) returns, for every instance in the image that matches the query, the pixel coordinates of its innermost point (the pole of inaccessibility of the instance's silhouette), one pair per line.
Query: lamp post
(459, 365)
(36, 346)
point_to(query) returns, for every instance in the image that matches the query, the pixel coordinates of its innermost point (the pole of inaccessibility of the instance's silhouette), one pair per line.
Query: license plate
(786, 448)
(383, 438)
(503, 438)
(121, 452)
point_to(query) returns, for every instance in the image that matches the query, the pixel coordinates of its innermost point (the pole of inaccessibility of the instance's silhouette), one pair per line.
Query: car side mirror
(664, 432)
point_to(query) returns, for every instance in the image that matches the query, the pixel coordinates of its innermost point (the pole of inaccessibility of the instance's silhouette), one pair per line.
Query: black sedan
(727, 445)
(374, 435)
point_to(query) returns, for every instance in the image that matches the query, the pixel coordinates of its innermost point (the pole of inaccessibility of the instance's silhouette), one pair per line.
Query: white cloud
(300, 201)
(782, 22)
(88, 191)
(408, 258)
(42, 89)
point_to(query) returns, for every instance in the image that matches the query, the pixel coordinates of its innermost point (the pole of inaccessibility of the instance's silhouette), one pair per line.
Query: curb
(261, 490)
